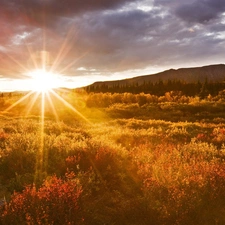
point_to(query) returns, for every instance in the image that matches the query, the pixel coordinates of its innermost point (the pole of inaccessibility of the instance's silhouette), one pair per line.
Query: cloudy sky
(86, 40)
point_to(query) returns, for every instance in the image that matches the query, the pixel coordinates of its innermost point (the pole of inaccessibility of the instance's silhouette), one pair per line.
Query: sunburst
(43, 81)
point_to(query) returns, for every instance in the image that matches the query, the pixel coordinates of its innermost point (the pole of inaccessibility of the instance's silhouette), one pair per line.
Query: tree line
(201, 89)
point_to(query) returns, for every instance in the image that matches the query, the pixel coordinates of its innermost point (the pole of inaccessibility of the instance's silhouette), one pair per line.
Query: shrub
(55, 202)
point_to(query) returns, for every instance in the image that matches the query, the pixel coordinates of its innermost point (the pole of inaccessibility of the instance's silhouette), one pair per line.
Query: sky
(83, 41)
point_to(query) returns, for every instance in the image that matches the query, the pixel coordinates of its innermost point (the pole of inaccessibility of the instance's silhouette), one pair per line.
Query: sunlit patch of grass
(40, 102)
(132, 170)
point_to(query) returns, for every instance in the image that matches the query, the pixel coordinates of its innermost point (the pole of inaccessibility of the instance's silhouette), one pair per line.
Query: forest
(114, 157)
(160, 87)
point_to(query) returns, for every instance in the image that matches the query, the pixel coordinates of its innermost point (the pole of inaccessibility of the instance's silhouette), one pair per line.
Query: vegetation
(135, 159)
(160, 87)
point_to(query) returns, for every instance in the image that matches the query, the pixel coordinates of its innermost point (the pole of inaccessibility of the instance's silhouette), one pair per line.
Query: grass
(156, 166)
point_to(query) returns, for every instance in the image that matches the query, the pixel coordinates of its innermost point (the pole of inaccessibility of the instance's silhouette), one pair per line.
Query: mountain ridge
(213, 73)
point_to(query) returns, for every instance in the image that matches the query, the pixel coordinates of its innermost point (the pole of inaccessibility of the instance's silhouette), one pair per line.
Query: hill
(213, 73)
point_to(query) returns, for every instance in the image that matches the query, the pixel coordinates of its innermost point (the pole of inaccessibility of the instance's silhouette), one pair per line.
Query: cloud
(109, 40)
(193, 11)
(29, 25)
(112, 37)
(39, 12)
(201, 11)
(107, 37)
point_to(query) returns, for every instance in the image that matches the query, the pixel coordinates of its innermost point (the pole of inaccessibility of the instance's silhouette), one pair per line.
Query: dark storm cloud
(118, 28)
(109, 36)
(137, 39)
(194, 11)
(200, 11)
(117, 38)
(23, 23)
(39, 11)
(109, 40)
(217, 27)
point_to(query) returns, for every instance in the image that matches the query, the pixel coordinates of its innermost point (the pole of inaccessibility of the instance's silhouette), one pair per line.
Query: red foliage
(56, 202)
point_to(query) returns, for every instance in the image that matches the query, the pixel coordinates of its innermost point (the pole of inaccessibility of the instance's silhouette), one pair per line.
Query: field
(123, 159)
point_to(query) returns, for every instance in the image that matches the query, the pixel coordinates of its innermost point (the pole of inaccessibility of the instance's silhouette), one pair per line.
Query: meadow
(116, 159)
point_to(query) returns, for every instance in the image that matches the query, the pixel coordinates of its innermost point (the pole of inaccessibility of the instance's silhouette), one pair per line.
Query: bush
(55, 202)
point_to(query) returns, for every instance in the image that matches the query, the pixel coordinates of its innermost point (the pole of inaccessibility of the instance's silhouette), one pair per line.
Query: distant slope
(213, 73)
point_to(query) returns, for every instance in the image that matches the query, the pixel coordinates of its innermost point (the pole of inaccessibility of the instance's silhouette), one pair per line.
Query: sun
(43, 81)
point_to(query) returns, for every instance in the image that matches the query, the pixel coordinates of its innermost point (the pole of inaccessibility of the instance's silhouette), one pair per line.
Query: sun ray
(32, 56)
(33, 101)
(19, 101)
(44, 39)
(52, 107)
(62, 52)
(42, 119)
(67, 104)
(39, 159)
(73, 62)
(18, 63)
